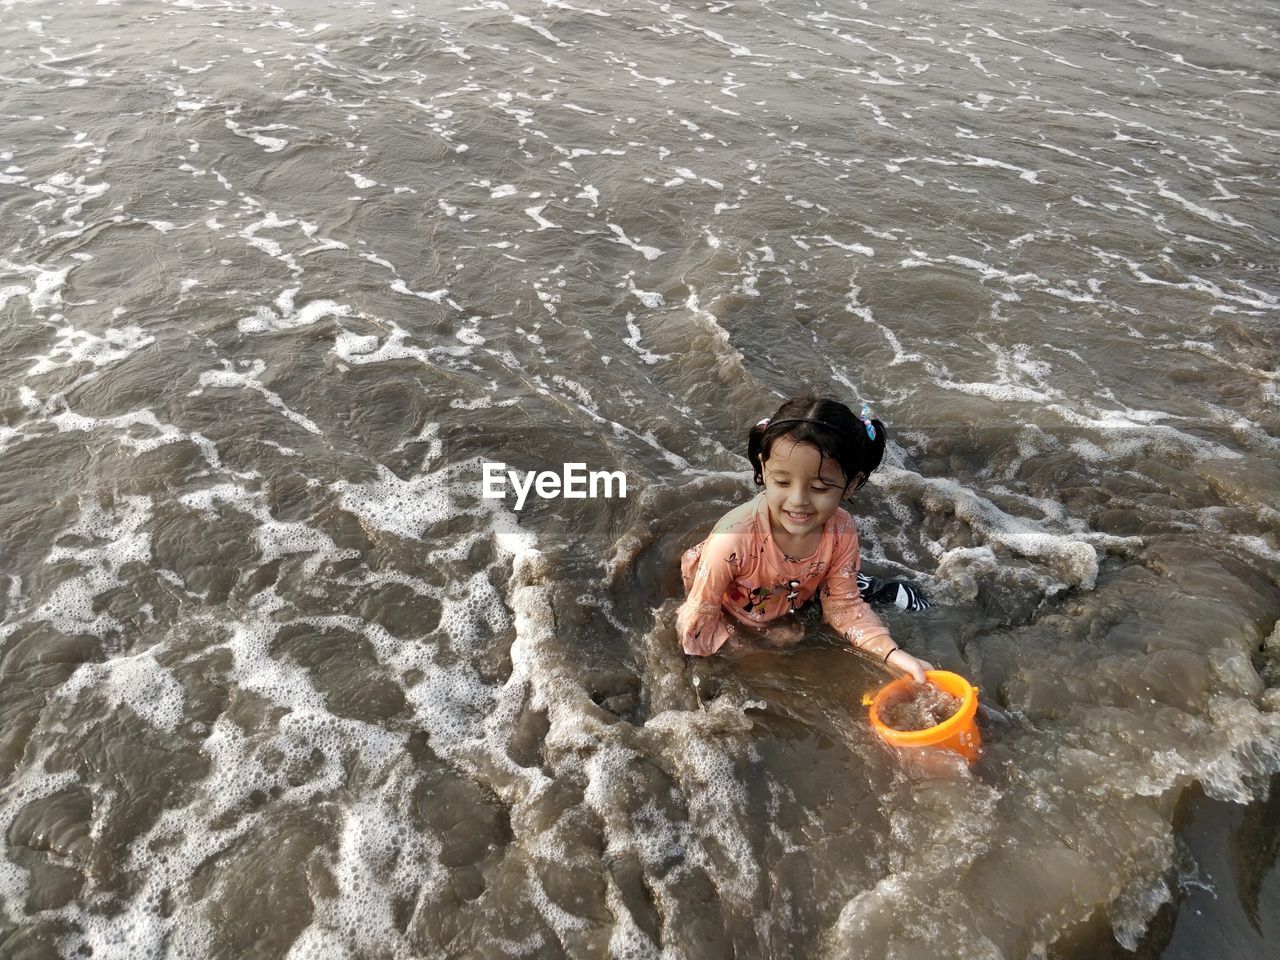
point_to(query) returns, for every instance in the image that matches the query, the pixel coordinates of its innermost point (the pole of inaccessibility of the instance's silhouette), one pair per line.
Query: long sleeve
(701, 621)
(842, 604)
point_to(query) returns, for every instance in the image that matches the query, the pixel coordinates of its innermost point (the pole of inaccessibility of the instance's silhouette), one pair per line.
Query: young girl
(765, 559)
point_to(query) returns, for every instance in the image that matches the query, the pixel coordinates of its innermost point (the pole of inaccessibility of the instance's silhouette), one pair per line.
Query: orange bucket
(958, 732)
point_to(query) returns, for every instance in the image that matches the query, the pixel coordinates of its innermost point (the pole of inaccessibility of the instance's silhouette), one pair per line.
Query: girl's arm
(845, 610)
(701, 621)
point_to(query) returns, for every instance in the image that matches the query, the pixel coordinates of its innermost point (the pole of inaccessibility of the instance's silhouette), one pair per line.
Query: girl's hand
(903, 662)
(701, 645)
(714, 636)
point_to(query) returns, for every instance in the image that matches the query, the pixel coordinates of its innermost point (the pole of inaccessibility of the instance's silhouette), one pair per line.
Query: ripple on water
(274, 676)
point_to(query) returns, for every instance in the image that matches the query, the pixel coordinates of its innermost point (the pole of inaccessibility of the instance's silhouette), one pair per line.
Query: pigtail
(876, 445)
(755, 444)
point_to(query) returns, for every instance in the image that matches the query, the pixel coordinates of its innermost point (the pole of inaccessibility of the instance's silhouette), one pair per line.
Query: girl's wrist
(855, 637)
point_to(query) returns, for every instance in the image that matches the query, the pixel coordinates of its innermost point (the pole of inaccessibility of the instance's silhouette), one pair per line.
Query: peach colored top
(741, 571)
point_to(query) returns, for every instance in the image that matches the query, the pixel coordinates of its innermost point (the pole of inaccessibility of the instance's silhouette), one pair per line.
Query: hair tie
(763, 423)
(865, 417)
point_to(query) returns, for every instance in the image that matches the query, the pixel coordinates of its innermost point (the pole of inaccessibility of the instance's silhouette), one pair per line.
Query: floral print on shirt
(740, 574)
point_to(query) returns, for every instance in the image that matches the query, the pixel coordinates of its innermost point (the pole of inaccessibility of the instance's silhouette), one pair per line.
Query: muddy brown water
(924, 707)
(278, 681)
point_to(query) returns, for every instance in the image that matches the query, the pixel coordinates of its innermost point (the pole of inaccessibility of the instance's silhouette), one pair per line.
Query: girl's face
(802, 488)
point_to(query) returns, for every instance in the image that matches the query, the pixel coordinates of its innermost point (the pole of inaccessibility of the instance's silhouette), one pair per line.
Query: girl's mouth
(797, 517)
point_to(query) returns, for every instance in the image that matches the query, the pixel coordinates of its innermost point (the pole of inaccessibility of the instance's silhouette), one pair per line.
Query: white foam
(1124, 431)
(228, 377)
(649, 253)
(73, 191)
(382, 857)
(166, 857)
(650, 298)
(355, 348)
(273, 248)
(268, 144)
(164, 433)
(116, 537)
(74, 347)
(435, 296)
(535, 213)
(29, 784)
(266, 320)
(521, 20)
(469, 336)
(405, 507)
(138, 682)
(634, 342)
(900, 355)
(1132, 912)
(1203, 212)
(1247, 746)
(1069, 552)
(274, 538)
(46, 287)
(851, 247)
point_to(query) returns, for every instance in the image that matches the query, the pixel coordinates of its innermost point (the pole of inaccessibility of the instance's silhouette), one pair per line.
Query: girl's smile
(803, 489)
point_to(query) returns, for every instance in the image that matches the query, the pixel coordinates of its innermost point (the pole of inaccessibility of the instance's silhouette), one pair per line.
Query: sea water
(923, 707)
(276, 280)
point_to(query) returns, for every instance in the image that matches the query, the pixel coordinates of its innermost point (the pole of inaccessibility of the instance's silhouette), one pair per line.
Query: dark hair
(827, 424)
